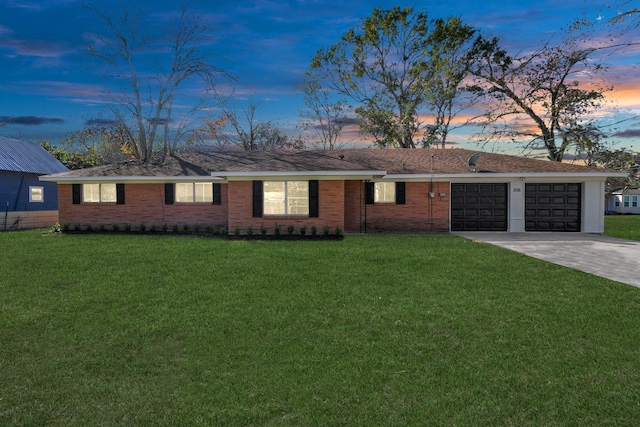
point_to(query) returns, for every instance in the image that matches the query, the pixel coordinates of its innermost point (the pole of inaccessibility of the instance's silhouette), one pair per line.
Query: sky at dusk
(48, 87)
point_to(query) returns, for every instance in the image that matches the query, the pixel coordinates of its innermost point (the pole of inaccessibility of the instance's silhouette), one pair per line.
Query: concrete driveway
(614, 259)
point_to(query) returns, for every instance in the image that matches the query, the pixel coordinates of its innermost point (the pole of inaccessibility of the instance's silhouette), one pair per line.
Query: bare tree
(241, 128)
(145, 108)
(325, 116)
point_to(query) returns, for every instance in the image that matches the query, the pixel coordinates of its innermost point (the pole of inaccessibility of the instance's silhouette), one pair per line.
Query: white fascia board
(131, 179)
(324, 175)
(493, 177)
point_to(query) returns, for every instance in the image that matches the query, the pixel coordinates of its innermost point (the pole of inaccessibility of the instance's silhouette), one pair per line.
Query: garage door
(552, 207)
(478, 207)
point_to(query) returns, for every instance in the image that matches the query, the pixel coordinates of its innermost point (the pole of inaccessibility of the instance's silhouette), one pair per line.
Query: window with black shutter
(168, 193)
(76, 193)
(400, 193)
(314, 198)
(120, 194)
(217, 194)
(257, 199)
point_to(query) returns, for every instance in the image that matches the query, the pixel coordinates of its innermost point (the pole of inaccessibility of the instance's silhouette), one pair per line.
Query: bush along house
(25, 201)
(354, 190)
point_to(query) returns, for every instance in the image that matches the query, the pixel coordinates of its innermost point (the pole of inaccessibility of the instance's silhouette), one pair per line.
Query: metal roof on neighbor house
(27, 157)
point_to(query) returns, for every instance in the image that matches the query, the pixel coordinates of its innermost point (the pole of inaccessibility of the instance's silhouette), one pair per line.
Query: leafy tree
(71, 159)
(538, 97)
(145, 110)
(389, 66)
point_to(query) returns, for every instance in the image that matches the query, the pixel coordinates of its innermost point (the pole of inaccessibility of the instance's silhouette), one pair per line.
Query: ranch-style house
(358, 190)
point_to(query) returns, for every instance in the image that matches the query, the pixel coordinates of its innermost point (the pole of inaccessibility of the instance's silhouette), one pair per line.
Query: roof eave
(132, 179)
(331, 175)
(503, 176)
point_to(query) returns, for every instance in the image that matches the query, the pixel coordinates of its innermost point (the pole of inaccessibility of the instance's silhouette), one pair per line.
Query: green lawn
(622, 226)
(371, 330)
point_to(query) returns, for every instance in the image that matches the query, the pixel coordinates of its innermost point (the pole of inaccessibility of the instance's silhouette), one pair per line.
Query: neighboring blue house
(25, 202)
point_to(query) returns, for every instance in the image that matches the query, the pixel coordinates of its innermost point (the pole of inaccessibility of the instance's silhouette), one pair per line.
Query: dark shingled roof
(27, 157)
(393, 161)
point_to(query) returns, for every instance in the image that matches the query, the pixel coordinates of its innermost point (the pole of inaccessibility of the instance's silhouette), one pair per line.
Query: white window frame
(627, 201)
(384, 192)
(634, 201)
(194, 192)
(36, 194)
(283, 202)
(100, 193)
(617, 200)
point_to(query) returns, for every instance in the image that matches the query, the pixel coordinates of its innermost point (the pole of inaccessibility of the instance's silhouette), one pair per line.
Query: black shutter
(257, 199)
(400, 193)
(168, 193)
(217, 194)
(120, 194)
(369, 193)
(314, 196)
(76, 190)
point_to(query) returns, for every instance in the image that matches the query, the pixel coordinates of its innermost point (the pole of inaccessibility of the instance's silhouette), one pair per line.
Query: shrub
(153, 228)
(314, 230)
(325, 230)
(211, 229)
(102, 228)
(65, 227)
(143, 228)
(290, 230)
(127, 227)
(175, 228)
(263, 230)
(165, 227)
(338, 230)
(236, 230)
(115, 227)
(197, 228)
(88, 227)
(303, 230)
(185, 228)
(249, 231)
(223, 231)
(276, 230)
(55, 228)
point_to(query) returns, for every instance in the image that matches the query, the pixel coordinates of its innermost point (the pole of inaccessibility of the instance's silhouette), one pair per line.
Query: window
(634, 201)
(36, 194)
(384, 192)
(617, 200)
(194, 192)
(626, 201)
(286, 197)
(99, 193)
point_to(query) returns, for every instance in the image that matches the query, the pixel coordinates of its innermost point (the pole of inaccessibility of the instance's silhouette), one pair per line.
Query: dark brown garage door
(478, 207)
(552, 207)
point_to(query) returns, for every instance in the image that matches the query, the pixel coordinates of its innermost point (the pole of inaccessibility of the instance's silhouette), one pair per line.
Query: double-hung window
(99, 193)
(194, 192)
(626, 201)
(634, 201)
(36, 194)
(286, 197)
(385, 193)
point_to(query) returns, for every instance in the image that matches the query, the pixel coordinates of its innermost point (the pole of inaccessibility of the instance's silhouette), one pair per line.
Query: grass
(622, 226)
(390, 330)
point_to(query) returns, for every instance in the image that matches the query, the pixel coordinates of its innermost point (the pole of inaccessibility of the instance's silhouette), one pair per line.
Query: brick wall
(144, 204)
(341, 204)
(419, 213)
(331, 210)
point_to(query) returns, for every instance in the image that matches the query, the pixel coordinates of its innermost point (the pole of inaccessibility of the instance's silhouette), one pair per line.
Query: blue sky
(47, 88)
